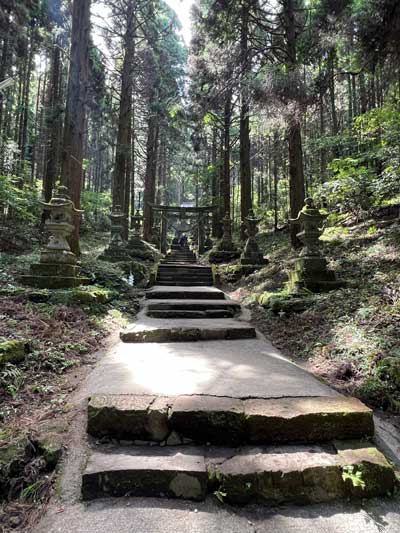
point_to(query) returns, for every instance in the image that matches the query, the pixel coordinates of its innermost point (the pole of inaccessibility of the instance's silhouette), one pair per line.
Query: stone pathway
(193, 402)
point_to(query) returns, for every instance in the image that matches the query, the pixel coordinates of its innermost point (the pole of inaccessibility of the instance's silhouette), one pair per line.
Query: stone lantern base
(57, 270)
(311, 273)
(224, 251)
(222, 255)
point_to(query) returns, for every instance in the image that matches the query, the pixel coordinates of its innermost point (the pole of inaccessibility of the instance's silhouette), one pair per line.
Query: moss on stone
(49, 442)
(83, 296)
(13, 351)
(284, 302)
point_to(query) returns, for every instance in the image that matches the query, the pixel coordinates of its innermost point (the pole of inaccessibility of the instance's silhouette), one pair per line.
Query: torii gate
(169, 211)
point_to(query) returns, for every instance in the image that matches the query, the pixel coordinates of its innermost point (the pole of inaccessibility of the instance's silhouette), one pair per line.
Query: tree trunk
(120, 193)
(72, 149)
(150, 175)
(296, 170)
(276, 178)
(226, 181)
(332, 90)
(245, 167)
(53, 123)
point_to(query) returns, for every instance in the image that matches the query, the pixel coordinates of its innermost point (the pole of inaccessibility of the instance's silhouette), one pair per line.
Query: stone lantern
(116, 250)
(226, 249)
(137, 224)
(251, 258)
(310, 268)
(57, 267)
(137, 247)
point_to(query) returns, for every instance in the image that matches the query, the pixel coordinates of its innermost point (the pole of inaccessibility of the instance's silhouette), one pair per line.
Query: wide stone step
(184, 274)
(286, 474)
(209, 313)
(194, 304)
(230, 421)
(189, 268)
(190, 293)
(190, 281)
(187, 279)
(184, 283)
(193, 308)
(178, 263)
(187, 333)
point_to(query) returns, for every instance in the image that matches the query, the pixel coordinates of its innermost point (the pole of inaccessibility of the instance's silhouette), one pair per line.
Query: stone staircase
(257, 450)
(180, 268)
(247, 425)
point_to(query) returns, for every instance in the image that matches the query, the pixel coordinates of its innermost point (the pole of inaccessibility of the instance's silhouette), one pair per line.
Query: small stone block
(208, 419)
(122, 417)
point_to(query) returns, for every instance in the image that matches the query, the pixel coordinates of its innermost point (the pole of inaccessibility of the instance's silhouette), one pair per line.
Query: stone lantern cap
(310, 215)
(60, 206)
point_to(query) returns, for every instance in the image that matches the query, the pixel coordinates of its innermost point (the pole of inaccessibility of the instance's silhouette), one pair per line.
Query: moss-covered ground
(62, 331)
(349, 336)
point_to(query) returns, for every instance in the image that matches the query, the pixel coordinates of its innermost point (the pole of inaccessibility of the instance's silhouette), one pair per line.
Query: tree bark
(245, 167)
(53, 123)
(296, 170)
(226, 180)
(121, 182)
(72, 149)
(150, 175)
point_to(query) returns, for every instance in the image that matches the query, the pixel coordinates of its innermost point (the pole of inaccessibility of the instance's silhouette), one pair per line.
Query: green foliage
(352, 187)
(220, 495)
(96, 208)
(355, 476)
(12, 379)
(32, 492)
(22, 203)
(371, 176)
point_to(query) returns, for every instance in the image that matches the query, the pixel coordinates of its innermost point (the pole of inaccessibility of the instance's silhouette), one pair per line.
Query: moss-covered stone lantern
(310, 268)
(57, 268)
(116, 250)
(251, 258)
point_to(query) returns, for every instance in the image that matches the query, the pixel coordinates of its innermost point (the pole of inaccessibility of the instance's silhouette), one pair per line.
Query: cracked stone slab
(229, 421)
(137, 471)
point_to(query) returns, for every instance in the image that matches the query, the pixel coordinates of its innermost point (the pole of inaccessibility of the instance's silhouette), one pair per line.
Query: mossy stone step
(194, 305)
(306, 474)
(187, 333)
(230, 421)
(187, 293)
(286, 474)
